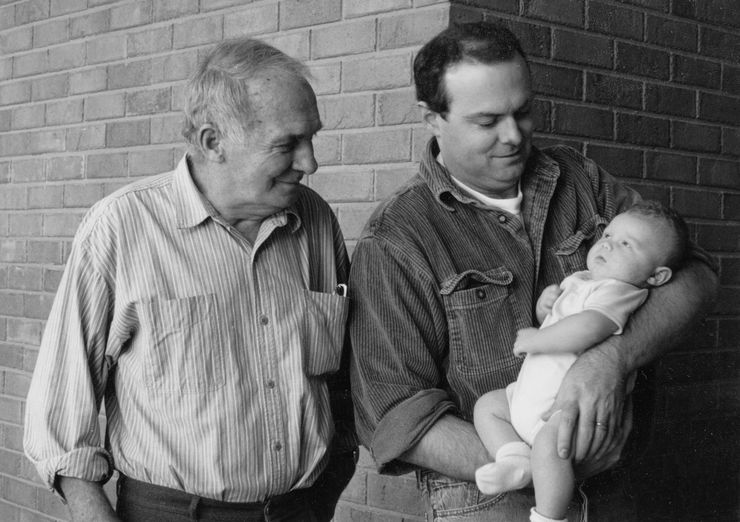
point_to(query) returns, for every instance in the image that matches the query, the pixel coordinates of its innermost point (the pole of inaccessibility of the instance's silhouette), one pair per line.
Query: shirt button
(502, 219)
(271, 384)
(277, 446)
(480, 293)
(264, 319)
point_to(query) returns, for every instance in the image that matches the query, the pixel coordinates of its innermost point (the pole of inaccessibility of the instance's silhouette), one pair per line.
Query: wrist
(615, 354)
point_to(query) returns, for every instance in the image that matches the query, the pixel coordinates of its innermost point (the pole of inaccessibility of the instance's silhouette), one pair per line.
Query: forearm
(573, 334)
(670, 312)
(86, 500)
(451, 447)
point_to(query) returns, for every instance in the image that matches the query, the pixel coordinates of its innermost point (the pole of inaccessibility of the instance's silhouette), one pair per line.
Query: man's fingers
(567, 430)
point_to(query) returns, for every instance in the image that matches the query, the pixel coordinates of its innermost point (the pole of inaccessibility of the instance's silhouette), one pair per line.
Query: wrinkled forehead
(286, 100)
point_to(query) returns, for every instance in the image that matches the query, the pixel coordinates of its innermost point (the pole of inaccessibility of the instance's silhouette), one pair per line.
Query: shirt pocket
(185, 352)
(324, 323)
(480, 320)
(571, 253)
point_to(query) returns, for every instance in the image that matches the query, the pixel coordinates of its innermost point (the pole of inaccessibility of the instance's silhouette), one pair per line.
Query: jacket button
(480, 293)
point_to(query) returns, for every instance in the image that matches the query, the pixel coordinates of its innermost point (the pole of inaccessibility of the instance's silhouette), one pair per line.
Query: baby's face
(630, 250)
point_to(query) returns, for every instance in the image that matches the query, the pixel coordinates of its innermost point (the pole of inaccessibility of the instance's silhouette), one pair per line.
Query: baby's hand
(547, 299)
(522, 343)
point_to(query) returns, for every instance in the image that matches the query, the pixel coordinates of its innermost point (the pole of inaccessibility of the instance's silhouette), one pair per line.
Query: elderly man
(449, 268)
(202, 306)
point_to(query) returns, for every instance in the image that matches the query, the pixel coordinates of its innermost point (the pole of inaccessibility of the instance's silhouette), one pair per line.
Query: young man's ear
(431, 118)
(209, 139)
(661, 276)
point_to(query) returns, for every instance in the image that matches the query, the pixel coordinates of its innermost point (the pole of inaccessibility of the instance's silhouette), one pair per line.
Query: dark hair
(671, 218)
(483, 42)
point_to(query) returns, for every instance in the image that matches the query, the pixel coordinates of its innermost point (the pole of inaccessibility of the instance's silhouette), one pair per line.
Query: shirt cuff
(405, 425)
(91, 464)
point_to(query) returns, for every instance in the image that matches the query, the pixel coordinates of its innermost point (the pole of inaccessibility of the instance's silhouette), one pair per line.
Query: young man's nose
(509, 131)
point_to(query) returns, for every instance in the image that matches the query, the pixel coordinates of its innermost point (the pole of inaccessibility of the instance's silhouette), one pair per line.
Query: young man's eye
(626, 243)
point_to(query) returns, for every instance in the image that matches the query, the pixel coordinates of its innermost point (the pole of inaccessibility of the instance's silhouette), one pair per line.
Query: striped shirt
(211, 353)
(441, 284)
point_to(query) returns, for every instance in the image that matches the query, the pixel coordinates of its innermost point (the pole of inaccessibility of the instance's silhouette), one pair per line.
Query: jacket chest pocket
(324, 320)
(186, 343)
(481, 322)
(571, 253)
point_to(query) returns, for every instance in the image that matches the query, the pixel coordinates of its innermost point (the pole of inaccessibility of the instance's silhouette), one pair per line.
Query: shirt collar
(193, 208)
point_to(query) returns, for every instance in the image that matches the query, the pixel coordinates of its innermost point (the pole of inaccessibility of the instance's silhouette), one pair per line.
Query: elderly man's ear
(211, 147)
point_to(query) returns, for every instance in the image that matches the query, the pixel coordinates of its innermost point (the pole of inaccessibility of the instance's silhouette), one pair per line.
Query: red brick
(731, 79)
(566, 12)
(723, 238)
(37, 306)
(65, 111)
(13, 198)
(12, 304)
(419, 138)
(695, 71)
(106, 48)
(695, 137)
(377, 146)
(398, 107)
(642, 61)
(302, 13)
(50, 33)
(671, 167)
(6, 68)
(16, 40)
(30, 63)
(60, 225)
(387, 181)
(24, 278)
(16, 385)
(148, 42)
(51, 278)
(658, 5)
(66, 7)
(148, 162)
(672, 33)
(583, 121)
(82, 196)
(643, 130)
(46, 196)
(67, 56)
(168, 9)
(130, 74)
(670, 100)
(697, 203)
(582, 48)
(354, 8)
(730, 266)
(250, 21)
(328, 149)
(534, 38)
(28, 116)
(557, 81)
(15, 92)
(326, 78)
(24, 225)
(106, 165)
(50, 87)
(148, 102)
(85, 138)
(343, 39)
(90, 80)
(413, 28)
(619, 161)
(173, 66)
(720, 44)
(198, 31)
(130, 15)
(7, 17)
(104, 106)
(11, 355)
(292, 44)
(347, 112)
(44, 252)
(39, 142)
(20, 492)
(731, 141)
(383, 72)
(167, 129)
(613, 90)
(719, 173)
(614, 20)
(719, 108)
(343, 185)
(64, 167)
(31, 11)
(29, 170)
(89, 24)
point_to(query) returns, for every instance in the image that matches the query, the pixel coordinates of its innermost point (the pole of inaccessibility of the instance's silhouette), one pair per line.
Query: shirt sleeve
(62, 433)
(395, 326)
(616, 300)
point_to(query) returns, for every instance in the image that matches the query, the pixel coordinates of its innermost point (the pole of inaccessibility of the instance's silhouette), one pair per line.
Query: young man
(449, 269)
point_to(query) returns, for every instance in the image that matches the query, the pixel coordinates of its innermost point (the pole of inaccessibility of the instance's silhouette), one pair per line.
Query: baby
(639, 249)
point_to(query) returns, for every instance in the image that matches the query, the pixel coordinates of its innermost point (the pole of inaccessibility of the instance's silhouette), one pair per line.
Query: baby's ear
(660, 276)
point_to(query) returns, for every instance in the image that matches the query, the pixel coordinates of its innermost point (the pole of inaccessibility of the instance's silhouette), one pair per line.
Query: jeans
(453, 500)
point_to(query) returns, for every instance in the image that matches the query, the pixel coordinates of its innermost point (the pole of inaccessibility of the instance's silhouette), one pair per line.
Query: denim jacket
(440, 285)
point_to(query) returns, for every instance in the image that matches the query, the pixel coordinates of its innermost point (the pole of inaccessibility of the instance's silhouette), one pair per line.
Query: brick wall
(90, 94)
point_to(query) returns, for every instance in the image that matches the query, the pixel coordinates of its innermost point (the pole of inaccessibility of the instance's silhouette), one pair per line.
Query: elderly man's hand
(595, 416)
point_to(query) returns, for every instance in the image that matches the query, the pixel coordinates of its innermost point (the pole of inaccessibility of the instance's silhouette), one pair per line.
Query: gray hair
(218, 92)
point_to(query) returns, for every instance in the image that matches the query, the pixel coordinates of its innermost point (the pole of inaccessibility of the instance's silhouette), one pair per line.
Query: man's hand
(547, 298)
(592, 404)
(523, 343)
